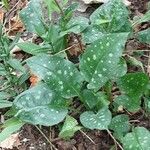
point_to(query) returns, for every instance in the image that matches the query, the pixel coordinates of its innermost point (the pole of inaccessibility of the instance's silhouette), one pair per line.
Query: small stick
(87, 137)
(46, 138)
(114, 139)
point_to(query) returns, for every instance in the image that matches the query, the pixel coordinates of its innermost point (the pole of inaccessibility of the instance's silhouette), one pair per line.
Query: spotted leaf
(133, 84)
(40, 105)
(100, 60)
(120, 125)
(91, 30)
(76, 25)
(130, 103)
(69, 128)
(100, 121)
(94, 100)
(138, 139)
(144, 36)
(60, 74)
(112, 16)
(32, 17)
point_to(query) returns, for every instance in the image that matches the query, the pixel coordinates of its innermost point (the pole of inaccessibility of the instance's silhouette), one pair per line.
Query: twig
(114, 139)
(67, 49)
(87, 137)
(79, 41)
(12, 10)
(46, 138)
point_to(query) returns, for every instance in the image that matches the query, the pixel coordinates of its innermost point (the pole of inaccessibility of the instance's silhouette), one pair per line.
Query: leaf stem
(115, 140)
(46, 138)
(87, 136)
(61, 10)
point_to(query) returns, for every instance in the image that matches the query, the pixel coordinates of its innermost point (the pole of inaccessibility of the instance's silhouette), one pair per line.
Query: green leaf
(94, 100)
(130, 103)
(31, 16)
(69, 128)
(52, 7)
(133, 84)
(6, 4)
(138, 139)
(40, 105)
(100, 60)
(76, 25)
(100, 121)
(120, 124)
(144, 18)
(121, 69)
(32, 48)
(144, 36)
(135, 62)
(60, 74)
(5, 104)
(2, 70)
(91, 30)
(4, 95)
(16, 64)
(10, 129)
(111, 16)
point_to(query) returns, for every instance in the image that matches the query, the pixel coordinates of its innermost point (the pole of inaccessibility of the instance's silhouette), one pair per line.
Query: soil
(32, 139)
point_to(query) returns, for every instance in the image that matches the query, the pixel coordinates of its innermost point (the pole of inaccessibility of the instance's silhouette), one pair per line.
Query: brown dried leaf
(15, 26)
(11, 142)
(1, 15)
(34, 80)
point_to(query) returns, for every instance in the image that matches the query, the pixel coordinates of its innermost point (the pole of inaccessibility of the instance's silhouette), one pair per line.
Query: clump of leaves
(100, 67)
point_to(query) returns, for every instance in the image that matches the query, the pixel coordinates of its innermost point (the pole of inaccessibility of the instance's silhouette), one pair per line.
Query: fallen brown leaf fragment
(15, 26)
(34, 80)
(1, 15)
(11, 142)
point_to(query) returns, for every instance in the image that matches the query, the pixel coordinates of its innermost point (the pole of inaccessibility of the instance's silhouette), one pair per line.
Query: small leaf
(16, 64)
(5, 104)
(100, 60)
(60, 74)
(32, 48)
(95, 100)
(69, 128)
(144, 36)
(138, 139)
(4, 95)
(10, 128)
(144, 18)
(120, 124)
(130, 103)
(40, 105)
(100, 121)
(133, 84)
(135, 62)
(76, 25)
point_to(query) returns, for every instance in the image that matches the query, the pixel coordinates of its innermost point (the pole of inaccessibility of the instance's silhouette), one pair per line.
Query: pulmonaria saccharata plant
(100, 67)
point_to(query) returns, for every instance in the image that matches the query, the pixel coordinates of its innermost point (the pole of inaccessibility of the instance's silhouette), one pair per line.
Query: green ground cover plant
(101, 66)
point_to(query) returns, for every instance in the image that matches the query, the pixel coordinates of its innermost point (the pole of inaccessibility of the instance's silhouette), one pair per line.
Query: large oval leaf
(60, 74)
(40, 105)
(100, 61)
